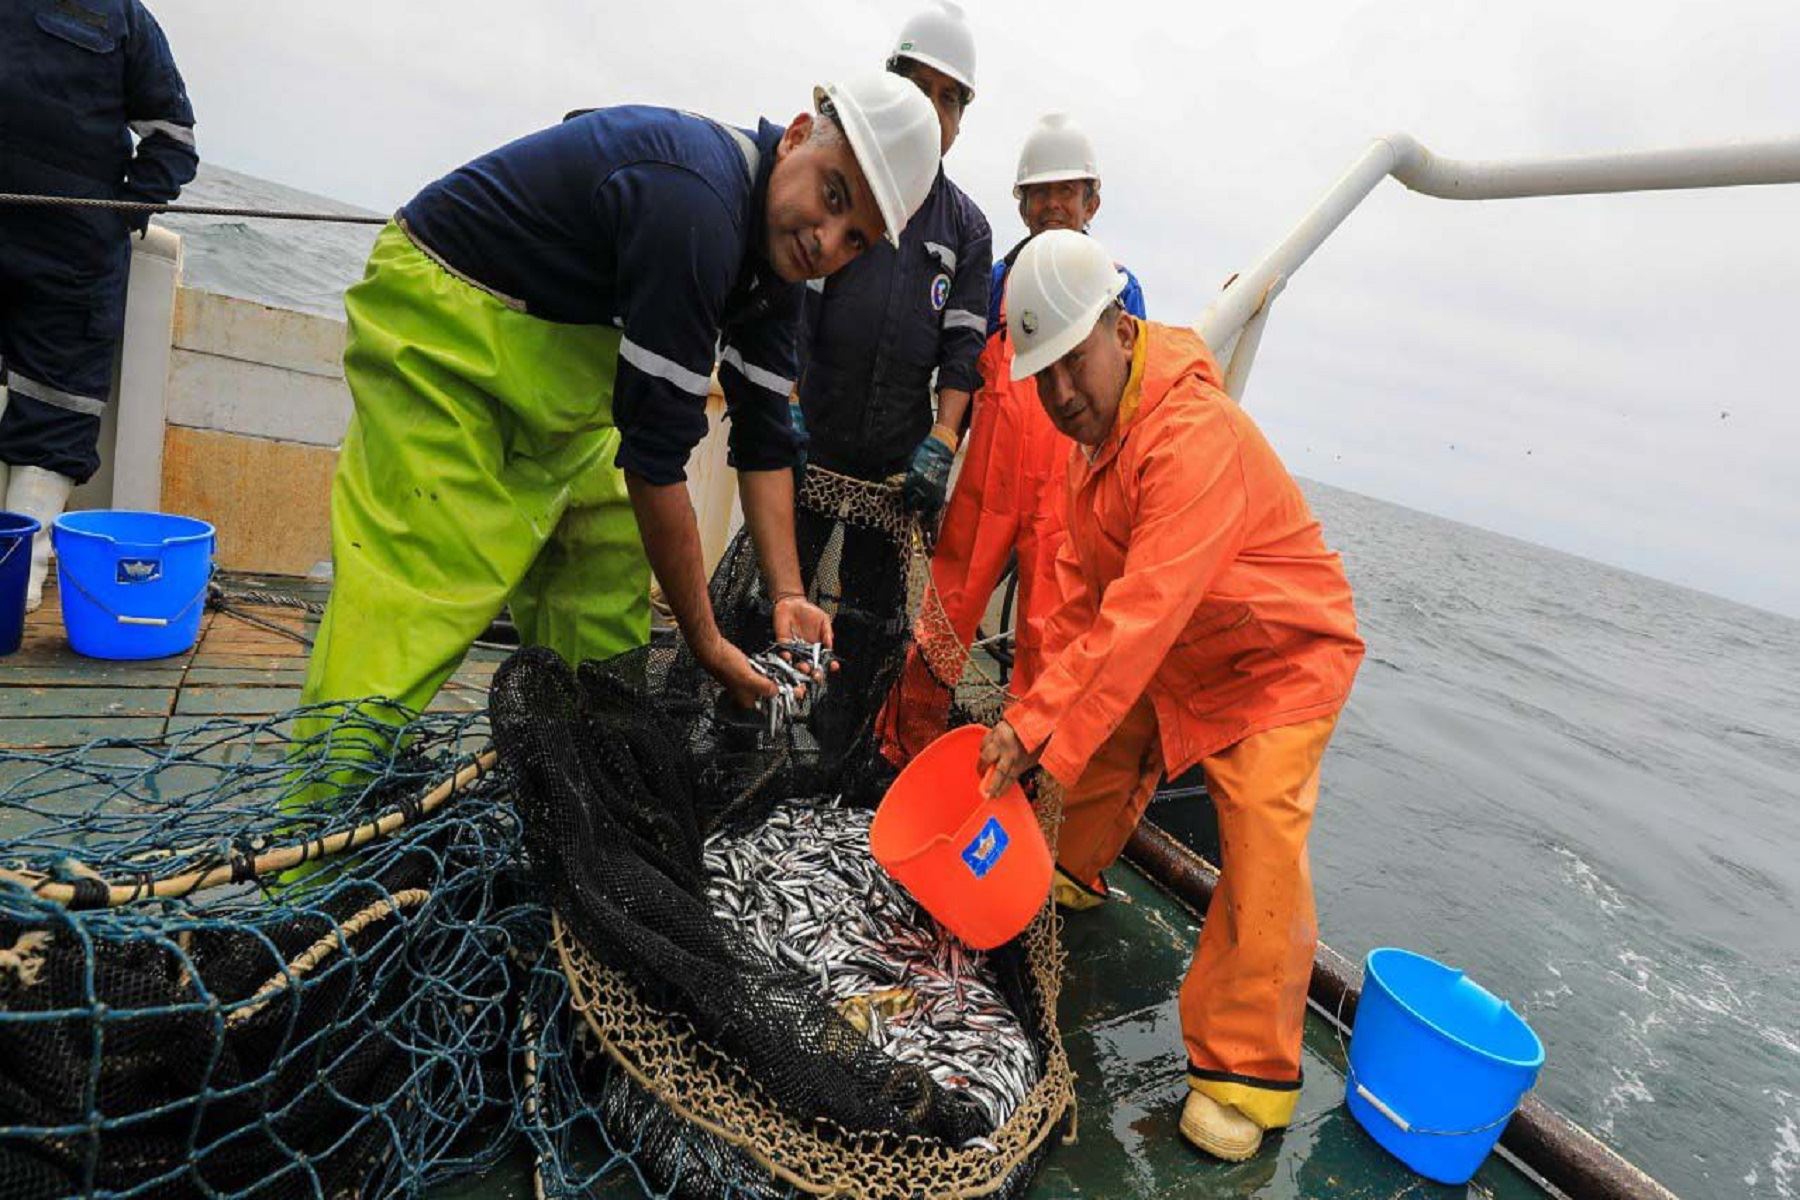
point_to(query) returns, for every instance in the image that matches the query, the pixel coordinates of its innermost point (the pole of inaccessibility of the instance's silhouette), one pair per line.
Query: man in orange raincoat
(1008, 498)
(1202, 621)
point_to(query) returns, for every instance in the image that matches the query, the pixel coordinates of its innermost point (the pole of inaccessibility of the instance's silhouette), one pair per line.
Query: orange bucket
(979, 866)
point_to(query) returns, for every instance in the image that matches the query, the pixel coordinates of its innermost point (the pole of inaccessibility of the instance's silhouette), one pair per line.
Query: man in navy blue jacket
(78, 78)
(882, 338)
(529, 355)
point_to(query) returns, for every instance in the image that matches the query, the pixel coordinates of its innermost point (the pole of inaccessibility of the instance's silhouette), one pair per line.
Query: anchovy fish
(805, 892)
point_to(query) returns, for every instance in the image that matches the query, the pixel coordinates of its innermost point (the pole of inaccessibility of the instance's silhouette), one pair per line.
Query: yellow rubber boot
(1219, 1129)
(1071, 895)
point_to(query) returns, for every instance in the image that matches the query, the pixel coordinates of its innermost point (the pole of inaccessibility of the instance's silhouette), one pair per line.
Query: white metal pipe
(1243, 354)
(1226, 315)
(1735, 165)
(1398, 154)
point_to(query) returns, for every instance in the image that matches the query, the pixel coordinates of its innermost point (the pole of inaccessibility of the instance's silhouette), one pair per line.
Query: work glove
(929, 475)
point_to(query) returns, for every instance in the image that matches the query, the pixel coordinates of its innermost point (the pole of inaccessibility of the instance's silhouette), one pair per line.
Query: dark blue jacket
(77, 79)
(875, 332)
(651, 220)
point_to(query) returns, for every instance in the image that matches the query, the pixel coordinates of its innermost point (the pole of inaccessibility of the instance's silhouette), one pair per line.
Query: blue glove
(929, 475)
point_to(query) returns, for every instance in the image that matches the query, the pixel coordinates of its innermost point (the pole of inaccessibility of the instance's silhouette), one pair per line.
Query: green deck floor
(1126, 960)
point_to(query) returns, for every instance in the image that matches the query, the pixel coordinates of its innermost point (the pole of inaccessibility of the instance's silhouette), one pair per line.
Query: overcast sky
(1613, 376)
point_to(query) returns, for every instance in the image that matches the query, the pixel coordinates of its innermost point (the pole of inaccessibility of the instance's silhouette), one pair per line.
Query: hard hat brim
(1050, 349)
(937, 64)
(1050, 177)
(862, 145)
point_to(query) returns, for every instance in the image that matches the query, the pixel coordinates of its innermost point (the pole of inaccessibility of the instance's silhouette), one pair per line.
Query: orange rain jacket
(1194, 573)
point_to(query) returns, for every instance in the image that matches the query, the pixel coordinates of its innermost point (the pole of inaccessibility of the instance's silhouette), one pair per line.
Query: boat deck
(1125, 960)
(52, 697)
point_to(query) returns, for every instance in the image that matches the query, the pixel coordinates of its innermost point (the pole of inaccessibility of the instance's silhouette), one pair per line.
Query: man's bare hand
(797, 619)
(1003, 759)
(742, 682)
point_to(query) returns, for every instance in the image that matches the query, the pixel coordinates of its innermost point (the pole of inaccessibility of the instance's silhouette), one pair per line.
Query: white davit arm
(1399, 155)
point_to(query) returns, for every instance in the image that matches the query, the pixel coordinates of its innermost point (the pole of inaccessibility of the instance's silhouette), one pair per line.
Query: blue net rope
(184, 1014)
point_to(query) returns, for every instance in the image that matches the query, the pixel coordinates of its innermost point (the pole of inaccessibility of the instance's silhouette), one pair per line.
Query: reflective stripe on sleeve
(180, 133)
(757, 375)
(652, 363)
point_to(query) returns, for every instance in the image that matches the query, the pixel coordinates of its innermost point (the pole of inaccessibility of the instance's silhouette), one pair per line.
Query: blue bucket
(133, 583)
(1437, 1064)
(16, 532)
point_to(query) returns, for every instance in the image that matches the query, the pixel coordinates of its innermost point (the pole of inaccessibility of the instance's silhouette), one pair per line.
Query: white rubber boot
(38, 493)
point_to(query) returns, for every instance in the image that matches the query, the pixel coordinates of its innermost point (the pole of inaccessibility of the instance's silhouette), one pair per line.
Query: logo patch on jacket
(940, 293)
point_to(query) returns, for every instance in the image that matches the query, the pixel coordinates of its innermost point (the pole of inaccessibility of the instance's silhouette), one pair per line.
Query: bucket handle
(1383, 1107)
(1405, 1126)
(18, 539)
(158, 622)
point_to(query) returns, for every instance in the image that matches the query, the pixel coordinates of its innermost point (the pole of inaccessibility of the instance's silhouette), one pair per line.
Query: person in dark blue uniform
(78, 79)
(879, 338)
(529, 356)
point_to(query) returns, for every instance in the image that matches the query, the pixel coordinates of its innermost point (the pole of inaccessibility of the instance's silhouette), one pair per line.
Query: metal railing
(1233, 323)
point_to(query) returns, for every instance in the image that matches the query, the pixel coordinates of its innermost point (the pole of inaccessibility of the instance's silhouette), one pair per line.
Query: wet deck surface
(1125, 962)
(50, 696)
(1120, 1026)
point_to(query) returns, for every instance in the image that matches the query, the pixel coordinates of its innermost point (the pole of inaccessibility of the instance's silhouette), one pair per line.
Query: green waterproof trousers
(477, 471)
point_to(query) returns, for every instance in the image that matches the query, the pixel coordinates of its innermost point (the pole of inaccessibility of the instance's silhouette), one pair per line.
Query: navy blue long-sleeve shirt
(651, 220)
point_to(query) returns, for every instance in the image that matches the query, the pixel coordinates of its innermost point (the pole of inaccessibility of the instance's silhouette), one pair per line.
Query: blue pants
(62, 313)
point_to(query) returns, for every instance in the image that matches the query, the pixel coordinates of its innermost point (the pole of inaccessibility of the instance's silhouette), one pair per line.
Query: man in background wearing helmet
(1008, 498)
(1202, 622)
(877, 336)
(529, 355)
(77, 83)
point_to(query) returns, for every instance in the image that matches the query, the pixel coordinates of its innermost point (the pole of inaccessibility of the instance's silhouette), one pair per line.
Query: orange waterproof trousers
(1243, 1003)
(1009, 497)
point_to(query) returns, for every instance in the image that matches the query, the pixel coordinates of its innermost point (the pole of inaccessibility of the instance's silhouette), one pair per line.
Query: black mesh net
(622, 770)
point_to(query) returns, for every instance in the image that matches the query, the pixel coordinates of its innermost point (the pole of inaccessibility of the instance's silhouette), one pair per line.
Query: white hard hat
(1058, 287)
(893, 131)
(1056, 148)
(940, 38)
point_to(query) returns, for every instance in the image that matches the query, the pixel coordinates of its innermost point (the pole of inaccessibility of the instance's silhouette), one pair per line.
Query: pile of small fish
(800, 671)
(805, 891)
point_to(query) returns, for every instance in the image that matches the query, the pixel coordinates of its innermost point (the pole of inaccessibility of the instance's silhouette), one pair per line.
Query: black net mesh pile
(858, 561)
(621, 770)
(337, 1033)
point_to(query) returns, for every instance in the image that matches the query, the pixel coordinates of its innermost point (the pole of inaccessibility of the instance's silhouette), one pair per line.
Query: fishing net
(710, 1067)
(186, 1010)
(305, 957)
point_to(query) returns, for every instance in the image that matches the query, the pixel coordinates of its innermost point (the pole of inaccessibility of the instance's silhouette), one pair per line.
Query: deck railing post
(140, 408)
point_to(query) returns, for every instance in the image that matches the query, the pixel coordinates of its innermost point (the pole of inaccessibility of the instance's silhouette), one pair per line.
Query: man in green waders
(529, 354)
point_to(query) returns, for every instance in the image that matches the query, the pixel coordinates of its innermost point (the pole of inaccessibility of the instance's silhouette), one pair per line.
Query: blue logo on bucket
(982, 853)
(139, 570)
